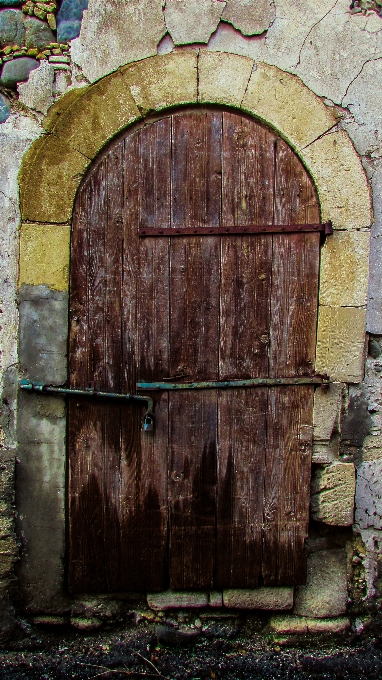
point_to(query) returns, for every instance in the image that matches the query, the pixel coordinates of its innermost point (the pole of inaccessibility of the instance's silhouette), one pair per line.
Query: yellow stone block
(223, 78)
(340, 180)
(282, 100)
(49, 179)
(44, 255)
(162, 81)
(90, 120)
(345, 269)
(341, 343)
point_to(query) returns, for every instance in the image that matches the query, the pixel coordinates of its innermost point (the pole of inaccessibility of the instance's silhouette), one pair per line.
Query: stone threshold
(265, 598)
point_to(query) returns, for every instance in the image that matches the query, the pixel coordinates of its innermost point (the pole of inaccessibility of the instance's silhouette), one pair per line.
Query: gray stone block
(368, 499)
(12, 28)
(43, 333)
(325, 593)
(5, 109)
(37, 33)
(17, 71)
(171, 599)
(258, 598)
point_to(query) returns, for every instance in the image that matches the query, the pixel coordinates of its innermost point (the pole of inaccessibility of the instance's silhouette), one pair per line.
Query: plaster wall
(286, 68)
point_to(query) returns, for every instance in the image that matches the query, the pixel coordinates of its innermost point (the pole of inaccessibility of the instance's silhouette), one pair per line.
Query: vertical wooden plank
(295, 197)
(248, 172)
(245, 290)
(194, 333)
(86, 475)
(294, 303)
(241, 458)
(192, 489)
(287, 484)
(196, 169)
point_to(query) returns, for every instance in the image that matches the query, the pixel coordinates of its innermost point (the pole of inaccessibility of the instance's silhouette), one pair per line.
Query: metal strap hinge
(253, 382)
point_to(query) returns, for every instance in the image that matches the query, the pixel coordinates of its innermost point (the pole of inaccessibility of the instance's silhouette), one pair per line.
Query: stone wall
(290, 67)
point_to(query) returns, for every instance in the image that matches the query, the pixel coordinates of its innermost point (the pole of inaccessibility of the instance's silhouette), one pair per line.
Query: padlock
(148, 423)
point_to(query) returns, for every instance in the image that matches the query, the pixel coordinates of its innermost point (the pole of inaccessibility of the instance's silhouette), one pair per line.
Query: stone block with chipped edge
(326, 411)
(341, 181)
(341, 343)
(164, 80)
(297, 625)
(49, 179)
(223, 78)
(332, 494)
(282, 100)
(89, 119)
(192, 21)
(177, 600)
(250, 17)
(44, 255)
(258, 598)
(115, 33)
(344, 269)
(325, 453)
(37, 92)
(325, 594)
(368, 498)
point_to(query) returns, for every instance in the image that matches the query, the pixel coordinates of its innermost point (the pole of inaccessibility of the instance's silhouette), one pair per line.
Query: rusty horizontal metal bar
(253, 382)
(325, 227)
(84, 392)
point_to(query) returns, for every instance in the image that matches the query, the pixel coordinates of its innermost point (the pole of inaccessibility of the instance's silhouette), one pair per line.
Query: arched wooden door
(218, 494)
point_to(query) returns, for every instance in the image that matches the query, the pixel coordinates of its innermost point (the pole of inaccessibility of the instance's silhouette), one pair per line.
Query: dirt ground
(134, 652)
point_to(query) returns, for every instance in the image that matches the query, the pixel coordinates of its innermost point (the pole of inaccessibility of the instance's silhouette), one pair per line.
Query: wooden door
(218, 494)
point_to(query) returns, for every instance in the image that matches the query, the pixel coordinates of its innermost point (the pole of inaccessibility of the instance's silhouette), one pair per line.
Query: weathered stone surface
(69, 18)
(368, 513)
(50, 620)
(44, 255)
(115, 33)
(297, 625)
(12, 28)
(332, 494)
(5, 109)
(329, 71)
(259, 598)
(364, 101)
(215, 599)
(374, 317)
(372, 447)
(59, 170)
(223, 628)
(102, 607)
(192, 21)
(341, 181)
(37, 33)
(228, 39)
(249, 16)
(356, 421)
(341, 343)
(283, 101)
(163, 81)
(326, 411)
(37, 92)
(11, 3)
(43, 334)
(86, 119)
(223, 78)
(344, 269)
(325, 592)
(171, 599)
(17, 71)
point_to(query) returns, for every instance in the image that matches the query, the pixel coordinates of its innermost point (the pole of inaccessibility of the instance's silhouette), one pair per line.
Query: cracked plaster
(192, 21)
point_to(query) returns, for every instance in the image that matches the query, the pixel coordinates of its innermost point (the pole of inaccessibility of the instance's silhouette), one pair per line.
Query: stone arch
(85, 119)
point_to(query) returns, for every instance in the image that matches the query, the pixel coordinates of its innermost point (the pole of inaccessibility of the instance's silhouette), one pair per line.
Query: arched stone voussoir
(343, 188)
(223, 78)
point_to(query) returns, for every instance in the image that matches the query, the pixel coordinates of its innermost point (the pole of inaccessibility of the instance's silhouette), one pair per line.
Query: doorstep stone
(300, 625)
(171, 599)
(325, 593)
(259, 598)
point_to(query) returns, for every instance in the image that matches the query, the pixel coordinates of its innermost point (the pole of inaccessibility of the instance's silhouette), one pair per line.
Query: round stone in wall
(38, 34)
(12, 28)
(5, 109)
(17, 71)
(69, 19)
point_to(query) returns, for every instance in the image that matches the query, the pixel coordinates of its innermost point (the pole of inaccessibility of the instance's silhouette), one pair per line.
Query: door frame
(82, 123)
